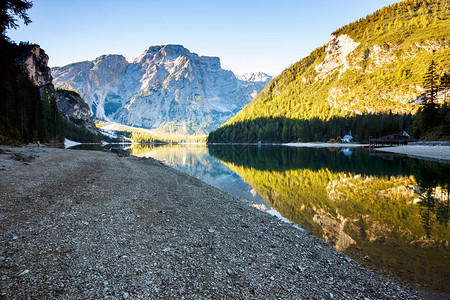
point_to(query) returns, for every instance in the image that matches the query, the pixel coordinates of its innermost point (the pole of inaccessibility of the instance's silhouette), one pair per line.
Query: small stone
(15, 237)
(24, 272)
(125, 295)
(272, 278)
(300, 269)
(105, 283)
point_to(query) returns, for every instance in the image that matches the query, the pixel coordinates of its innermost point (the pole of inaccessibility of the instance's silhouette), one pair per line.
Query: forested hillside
(370, 73)
(24, 114)
(28, 104)
(30, 108)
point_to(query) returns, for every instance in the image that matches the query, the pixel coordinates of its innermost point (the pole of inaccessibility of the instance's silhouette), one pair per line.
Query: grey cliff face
(34, 62)
(166, 87)
(74, 108)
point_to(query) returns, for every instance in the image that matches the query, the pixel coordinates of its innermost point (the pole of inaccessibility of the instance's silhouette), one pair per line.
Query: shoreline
(91, 224)
(428, 152)
(434, 151)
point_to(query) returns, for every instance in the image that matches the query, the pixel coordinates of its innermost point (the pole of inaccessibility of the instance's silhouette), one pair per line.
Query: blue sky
(248, 35)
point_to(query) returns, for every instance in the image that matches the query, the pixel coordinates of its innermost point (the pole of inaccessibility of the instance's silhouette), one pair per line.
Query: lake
(386, 210)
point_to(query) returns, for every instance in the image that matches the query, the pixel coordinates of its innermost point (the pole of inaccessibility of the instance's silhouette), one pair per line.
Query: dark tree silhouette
(9, 10)
(427, 209)
(430, 81)
(445, 85)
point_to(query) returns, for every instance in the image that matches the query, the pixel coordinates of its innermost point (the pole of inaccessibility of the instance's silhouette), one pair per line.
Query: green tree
(429, 111)
(430, 81)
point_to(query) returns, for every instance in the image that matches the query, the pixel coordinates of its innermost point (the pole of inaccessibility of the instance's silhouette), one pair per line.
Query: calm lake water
(385, 210)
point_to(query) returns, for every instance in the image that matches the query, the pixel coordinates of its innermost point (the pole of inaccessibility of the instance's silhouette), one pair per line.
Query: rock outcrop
(34, 62)
(166, 87)
(74, 108)
(336, 55)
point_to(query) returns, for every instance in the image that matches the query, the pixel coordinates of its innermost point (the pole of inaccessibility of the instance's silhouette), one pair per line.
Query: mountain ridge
(167, 88)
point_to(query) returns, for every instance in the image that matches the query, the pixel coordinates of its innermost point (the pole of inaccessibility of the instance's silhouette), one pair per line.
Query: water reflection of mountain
(368, 205)
(361, 161)
(196, 161)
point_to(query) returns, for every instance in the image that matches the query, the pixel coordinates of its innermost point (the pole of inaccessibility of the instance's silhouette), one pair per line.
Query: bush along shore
(86, 224)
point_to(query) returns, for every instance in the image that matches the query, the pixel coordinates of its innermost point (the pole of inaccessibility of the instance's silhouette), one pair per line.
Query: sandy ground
(437, 153)
(86, 224)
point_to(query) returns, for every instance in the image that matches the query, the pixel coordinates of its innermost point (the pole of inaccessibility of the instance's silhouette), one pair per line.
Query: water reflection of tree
(433, 209)
(426, 213)
(442, 210)
(362, 228)
(427, 173)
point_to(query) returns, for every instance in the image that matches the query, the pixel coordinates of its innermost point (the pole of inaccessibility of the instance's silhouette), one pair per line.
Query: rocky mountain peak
(112, 64)
(255, 77)
(110, 58)
(161, 52)
(166, 87)
(173, 51)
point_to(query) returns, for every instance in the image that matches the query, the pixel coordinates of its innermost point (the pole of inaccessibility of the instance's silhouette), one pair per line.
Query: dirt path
(85, 224)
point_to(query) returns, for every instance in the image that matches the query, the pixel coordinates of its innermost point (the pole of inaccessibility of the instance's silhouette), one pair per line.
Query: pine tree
(445, 85)
(430, 81)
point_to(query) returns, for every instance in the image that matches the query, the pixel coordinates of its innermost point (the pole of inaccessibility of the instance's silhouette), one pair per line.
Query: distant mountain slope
(167, 88)
(375, 65)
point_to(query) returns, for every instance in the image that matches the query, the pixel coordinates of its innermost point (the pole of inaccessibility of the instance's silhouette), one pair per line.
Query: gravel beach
(86, 224)
(429, 152)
